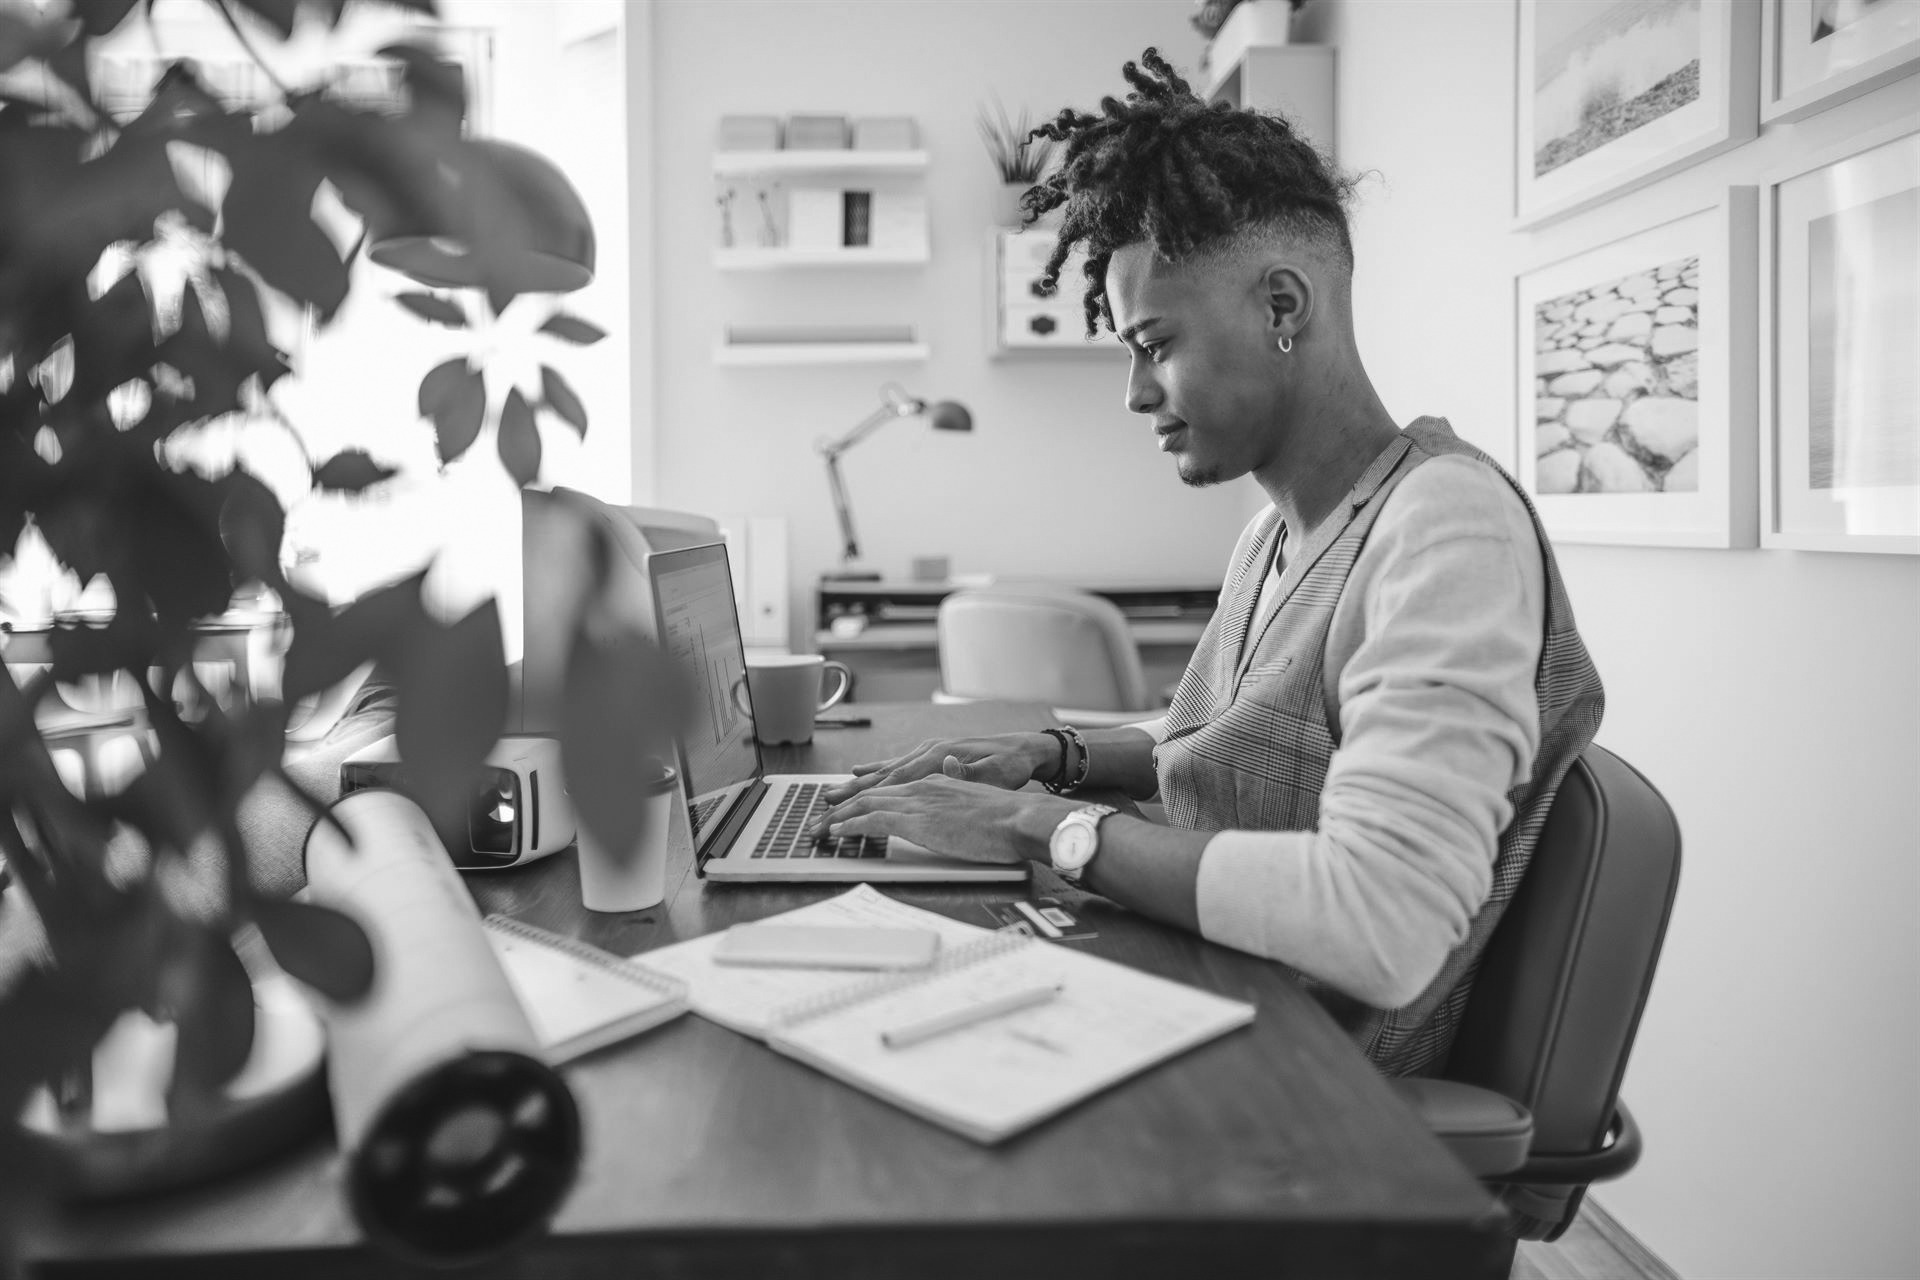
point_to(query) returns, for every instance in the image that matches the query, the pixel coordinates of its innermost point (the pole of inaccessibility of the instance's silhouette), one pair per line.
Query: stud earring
(1286, 344)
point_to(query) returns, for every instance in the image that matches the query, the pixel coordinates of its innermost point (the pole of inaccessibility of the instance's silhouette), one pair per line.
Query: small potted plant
(1019, 158)
(1233, 26)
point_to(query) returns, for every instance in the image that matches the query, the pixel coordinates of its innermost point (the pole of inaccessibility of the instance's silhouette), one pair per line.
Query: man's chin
(1195, 475)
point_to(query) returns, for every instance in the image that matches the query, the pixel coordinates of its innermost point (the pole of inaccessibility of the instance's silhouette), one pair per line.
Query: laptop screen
(699, 628)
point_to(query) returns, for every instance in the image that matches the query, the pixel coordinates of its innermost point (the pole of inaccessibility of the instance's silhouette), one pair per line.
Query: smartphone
(827, 947)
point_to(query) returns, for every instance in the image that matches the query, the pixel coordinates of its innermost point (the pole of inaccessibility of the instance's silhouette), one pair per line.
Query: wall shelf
(797, 353)
(761, 259)
(736, 163)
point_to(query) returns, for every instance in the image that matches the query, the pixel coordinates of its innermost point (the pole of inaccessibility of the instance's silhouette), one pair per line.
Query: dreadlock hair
(1193, 179)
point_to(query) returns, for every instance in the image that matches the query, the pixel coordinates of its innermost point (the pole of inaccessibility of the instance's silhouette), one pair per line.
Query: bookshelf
(816, 211)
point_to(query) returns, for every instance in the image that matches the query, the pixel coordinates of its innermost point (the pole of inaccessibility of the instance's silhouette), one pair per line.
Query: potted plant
(102, 370)
(1019, 158)
(1233, 26)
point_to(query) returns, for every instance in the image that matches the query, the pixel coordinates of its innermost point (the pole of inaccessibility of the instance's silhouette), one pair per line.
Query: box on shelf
(856, 218)
(884, 133)
(899, 220)
(816, 133)
(749, 133)
(816, 218)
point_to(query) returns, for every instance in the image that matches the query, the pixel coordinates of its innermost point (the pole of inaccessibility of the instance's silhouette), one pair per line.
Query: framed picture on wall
(1840, 465)
(1612, 94)
(1637, 384)
(1816, 54)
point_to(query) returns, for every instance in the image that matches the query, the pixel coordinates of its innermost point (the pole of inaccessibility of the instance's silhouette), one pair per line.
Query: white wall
(1774, 697)
(1057, 477)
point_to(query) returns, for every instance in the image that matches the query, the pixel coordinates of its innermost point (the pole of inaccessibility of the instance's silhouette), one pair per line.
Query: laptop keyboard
(784, 836)
(704, 810)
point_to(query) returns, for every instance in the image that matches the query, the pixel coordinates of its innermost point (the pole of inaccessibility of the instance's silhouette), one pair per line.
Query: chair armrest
(1618, 1154)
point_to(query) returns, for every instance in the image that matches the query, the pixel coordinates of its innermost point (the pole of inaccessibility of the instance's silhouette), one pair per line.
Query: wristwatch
(1076, 840)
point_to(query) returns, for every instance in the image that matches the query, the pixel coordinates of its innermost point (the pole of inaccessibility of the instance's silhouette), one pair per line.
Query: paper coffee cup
(634, 878)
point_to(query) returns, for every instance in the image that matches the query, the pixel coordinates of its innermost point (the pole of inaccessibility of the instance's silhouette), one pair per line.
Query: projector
(520, 811)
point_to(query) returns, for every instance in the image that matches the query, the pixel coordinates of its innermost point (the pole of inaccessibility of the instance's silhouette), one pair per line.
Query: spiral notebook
(578, 997)
(987, 1081)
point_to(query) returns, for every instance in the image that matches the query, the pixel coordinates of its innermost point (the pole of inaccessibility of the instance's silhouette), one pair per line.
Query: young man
(1361, 754)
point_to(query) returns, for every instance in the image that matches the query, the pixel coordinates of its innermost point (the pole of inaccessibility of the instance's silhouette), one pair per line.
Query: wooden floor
(1596, 1247)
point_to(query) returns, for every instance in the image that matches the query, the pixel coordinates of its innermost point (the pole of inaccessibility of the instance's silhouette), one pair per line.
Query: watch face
(1073, 844)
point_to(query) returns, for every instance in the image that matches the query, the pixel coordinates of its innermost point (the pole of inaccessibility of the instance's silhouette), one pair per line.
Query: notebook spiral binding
(587, 953)
(960, 957)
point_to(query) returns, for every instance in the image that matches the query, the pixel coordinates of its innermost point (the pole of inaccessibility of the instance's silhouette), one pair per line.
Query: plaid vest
(1250, 733)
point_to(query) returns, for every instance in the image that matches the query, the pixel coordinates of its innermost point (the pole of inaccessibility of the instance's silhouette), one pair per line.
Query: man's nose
(1143, 393)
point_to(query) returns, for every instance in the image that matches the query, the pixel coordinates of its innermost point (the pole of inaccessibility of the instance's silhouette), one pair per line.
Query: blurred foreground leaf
(453, 706)
(454, 398)
(519, 440)
(324, 948)
(561, 399)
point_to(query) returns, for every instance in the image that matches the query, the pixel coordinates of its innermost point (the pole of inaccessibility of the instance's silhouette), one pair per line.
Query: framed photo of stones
(1637, 384)
(1840, 458)
(1612, 94)
(1816, 54)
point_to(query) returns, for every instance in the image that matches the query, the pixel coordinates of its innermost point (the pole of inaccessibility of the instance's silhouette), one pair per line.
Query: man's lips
(1167, 433)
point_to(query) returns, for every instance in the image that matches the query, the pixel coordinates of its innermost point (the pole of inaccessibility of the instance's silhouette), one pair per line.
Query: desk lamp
(945, 415)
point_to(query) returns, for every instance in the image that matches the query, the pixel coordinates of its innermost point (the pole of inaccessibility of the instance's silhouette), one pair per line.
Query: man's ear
(1287, 297)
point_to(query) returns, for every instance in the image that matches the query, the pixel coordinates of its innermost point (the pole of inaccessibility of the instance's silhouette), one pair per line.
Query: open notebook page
(997, 1077)
(747, 999)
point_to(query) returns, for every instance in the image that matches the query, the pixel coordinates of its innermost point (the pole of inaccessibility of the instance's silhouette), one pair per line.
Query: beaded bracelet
(1060, 770)
(1062, 788)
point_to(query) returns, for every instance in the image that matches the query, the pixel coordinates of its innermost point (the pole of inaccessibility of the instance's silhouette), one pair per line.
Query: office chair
(1035, 642)
(1529, 1099)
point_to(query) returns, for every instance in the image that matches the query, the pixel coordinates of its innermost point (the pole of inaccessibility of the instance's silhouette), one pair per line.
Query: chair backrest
(1561, 986)
(1040, 643)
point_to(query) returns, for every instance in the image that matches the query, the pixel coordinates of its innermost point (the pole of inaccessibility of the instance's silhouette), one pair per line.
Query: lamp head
(949, 415)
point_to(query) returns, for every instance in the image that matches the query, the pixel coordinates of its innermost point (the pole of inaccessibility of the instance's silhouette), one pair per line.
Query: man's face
(1202, 370)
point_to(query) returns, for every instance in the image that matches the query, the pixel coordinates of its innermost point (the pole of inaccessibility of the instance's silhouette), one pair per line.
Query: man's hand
(962, 819)
(1007, 760)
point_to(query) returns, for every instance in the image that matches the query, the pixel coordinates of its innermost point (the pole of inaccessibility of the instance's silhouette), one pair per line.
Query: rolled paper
(459, 1141)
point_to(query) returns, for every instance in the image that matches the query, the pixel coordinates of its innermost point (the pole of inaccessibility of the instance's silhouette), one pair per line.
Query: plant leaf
(519, 440)
(436, 87)
(431, 306)
(325, 650)
(252, 525)
(453, 706)
(572, 329)
(454, 397)
(269, 221)
(561, 399)
(324, 948)
(210, 996)
(70, 65)
(620, 704)
(98, 17)
(278, 13)
(350, 472)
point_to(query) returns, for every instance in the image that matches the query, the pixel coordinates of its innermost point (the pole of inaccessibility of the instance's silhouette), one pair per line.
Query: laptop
(747, 825)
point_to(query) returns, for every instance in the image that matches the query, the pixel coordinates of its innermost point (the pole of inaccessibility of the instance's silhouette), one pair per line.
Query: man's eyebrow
(1127, 334)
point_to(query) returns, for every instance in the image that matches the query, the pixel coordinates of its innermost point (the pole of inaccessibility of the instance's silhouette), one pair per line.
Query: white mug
(786, 693)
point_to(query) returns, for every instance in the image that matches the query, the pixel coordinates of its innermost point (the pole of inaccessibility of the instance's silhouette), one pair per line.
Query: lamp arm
(850, 546)
(832, 449)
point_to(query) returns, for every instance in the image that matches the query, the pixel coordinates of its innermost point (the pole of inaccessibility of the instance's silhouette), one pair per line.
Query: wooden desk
(1274, 1151)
